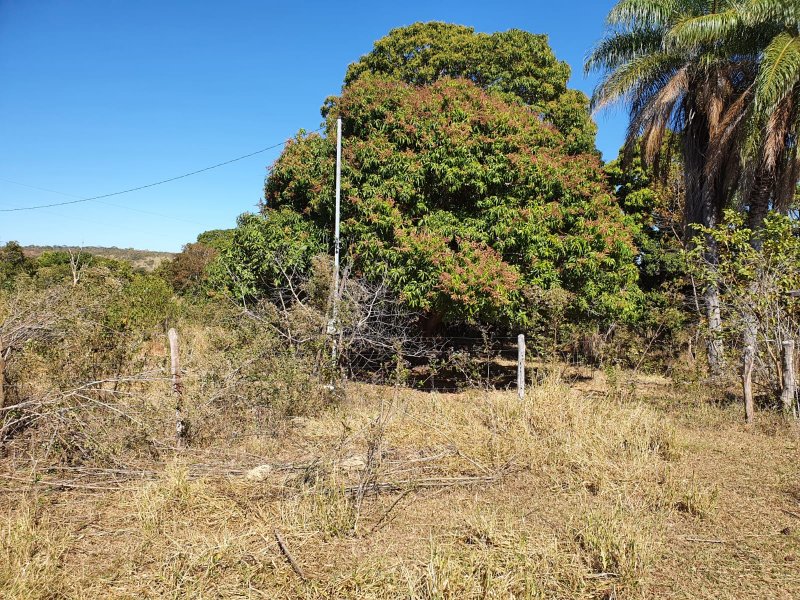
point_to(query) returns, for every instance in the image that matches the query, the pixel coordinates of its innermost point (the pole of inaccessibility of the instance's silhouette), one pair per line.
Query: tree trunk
(716, 347)
(747, 384)
(788, 391)
(711, 297)
(702, 206)
(757, 212)
(750, 331)
(431, 322)
(759, 204)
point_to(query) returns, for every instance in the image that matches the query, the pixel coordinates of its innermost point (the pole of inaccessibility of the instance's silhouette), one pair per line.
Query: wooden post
(747, 382)
(181, 425)
(521, 366)
(2, 378)
(789, 386)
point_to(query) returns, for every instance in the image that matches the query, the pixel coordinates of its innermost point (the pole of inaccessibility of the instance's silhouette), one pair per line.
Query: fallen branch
(380, 523)
(61, 484)
(415, 484)
(285, 551)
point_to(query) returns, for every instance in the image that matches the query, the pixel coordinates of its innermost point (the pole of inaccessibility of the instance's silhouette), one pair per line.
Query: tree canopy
(464, 201)
(514, 62)
(457, 190)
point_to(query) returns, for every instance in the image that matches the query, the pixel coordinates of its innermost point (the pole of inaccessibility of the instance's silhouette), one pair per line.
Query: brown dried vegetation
(394, 493)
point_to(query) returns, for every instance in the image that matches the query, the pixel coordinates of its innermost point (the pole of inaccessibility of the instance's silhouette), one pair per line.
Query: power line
(149, 185)
(122, 206)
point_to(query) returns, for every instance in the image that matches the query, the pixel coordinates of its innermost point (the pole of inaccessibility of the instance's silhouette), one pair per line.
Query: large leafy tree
(463, 200)
(471, 186)
(515, 62)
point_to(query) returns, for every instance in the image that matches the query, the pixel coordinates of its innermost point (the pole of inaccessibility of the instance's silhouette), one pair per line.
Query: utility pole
(333, 327)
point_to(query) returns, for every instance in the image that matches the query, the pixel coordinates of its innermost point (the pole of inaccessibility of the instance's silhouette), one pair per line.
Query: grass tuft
(32, 547)
(617, 544)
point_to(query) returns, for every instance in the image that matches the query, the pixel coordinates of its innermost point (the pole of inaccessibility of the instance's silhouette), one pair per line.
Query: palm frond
(785, 12)
(622, 47)
(642, 13)
(788, 176)
(658, 113)
(775, 134)
(634, 79)
(704, 29)
(779, 72)
(730, 130)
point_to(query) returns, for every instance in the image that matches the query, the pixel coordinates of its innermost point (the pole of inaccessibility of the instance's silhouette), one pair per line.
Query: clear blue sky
(103, 95)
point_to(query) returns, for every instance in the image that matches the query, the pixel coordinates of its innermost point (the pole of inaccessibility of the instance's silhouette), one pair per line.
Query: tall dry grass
(392, 493)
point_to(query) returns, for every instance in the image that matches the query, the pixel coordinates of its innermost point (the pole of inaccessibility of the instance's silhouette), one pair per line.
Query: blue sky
(104, 95)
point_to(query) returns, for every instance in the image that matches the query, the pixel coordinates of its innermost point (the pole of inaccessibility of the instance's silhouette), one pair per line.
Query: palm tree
(694, 91)
(778, 93)
(769, 32)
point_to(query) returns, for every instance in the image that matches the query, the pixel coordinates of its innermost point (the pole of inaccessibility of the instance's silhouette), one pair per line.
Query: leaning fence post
(521, 366)
(181, 425)
(789, 386)
(747, 382)
(2, 376)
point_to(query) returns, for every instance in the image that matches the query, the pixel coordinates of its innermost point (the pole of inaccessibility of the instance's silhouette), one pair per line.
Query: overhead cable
(149, 185)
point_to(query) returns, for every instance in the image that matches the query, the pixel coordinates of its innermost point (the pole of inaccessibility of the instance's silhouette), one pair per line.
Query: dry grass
(32, 549)
(403, 494)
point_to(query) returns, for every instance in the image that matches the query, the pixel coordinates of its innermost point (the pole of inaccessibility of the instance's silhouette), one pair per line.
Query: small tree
(26, 316)
(12, 262)
(187, 272)
(757, 282)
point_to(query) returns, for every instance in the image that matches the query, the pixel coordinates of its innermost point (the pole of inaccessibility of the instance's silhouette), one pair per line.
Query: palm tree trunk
(701, 207)
(711, 295)
(759, 204)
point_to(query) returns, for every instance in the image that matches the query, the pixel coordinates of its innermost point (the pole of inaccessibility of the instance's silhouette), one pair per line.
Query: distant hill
(143, 259)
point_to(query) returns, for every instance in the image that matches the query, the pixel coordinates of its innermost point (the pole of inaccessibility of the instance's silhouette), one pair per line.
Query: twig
(433, 482)
(793, 514)
(61, 484)
(379, 524)
(285, 551)
(704, 540)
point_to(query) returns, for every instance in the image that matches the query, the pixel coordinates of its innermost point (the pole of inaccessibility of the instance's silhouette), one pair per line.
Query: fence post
(747, 382)
(2, 377)
(521, 366)
(181, 425)
(789, 386)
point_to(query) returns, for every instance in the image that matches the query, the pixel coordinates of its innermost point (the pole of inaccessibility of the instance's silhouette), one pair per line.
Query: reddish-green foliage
(187, 271)
(516, 63)
(464, 200)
